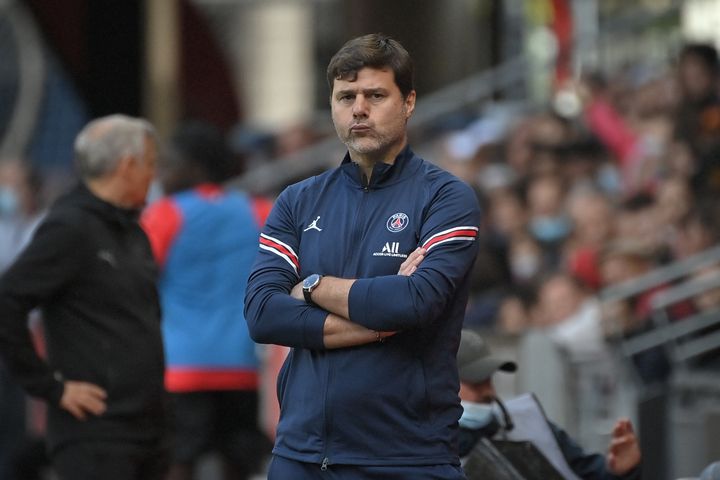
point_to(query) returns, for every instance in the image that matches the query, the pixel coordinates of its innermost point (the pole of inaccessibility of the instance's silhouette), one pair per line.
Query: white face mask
(477, 415)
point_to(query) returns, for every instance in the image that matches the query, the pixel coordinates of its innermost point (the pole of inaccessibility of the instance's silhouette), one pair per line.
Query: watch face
(311, 281)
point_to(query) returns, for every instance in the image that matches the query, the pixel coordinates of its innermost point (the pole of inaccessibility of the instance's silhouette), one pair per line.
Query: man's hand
(624, 451)
(82, 398)
(297, 292)
(412, 261)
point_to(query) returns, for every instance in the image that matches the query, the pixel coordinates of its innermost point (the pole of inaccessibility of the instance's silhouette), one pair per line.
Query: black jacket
(90, 269)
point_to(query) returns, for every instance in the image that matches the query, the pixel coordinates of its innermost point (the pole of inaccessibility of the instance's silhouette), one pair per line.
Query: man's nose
(360, 107)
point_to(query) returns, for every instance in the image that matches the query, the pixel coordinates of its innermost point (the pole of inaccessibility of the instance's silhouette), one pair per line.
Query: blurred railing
(681, 416)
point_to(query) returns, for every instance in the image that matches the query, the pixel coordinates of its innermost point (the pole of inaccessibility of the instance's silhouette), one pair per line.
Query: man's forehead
(366, 77)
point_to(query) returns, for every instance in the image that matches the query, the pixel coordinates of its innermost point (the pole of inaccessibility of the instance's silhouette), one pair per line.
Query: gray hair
(104, 141)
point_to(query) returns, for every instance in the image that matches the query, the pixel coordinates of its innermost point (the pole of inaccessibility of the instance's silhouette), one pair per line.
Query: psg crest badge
(397, 222)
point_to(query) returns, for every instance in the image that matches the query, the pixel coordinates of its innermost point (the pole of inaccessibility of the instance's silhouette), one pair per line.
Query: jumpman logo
(313, 225)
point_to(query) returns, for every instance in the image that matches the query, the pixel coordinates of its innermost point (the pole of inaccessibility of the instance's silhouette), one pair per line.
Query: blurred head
(476, 367)
(698, 71)
(195, 153)
(591, 215)
(507, 211)
(636, 221)
(20, 188)
(698, 229)
(674, 199)
(708, 299)
(621, 261)
(560, 296)
(525, 258)
(120, 149)
(376, 51)
(546, 201)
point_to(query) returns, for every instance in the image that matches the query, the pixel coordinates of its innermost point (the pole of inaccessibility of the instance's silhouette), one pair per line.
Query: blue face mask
(477, 415)
(550, 229)
(9, 202)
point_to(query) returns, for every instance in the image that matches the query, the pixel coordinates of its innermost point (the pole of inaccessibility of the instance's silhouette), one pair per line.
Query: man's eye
(346, 98)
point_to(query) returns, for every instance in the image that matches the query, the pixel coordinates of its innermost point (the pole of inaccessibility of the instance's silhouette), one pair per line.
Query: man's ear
(410, 104)
(125, 165)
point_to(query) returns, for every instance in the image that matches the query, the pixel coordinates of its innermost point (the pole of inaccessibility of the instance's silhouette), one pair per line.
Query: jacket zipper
(357, 233)
(326, 423)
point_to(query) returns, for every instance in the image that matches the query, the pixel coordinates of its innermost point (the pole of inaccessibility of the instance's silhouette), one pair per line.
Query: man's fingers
(620, 442)
(76, 412)
(80, 398)
(94, 391)
(411, 263)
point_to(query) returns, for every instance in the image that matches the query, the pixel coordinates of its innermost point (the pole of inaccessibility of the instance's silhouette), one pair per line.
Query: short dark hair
(204, 145)
(706, 53)
(374, 50)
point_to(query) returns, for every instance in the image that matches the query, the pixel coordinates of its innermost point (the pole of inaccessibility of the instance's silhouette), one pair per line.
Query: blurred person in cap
(522, 419)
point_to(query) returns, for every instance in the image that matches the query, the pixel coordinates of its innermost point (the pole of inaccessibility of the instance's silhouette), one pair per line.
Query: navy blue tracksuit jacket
(391, 403)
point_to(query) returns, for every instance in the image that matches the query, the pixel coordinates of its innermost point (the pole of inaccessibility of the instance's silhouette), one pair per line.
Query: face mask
(477, 415)
(9, 202)
(550, 229)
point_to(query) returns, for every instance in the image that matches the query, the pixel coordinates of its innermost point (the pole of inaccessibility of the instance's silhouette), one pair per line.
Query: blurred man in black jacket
(90, 269)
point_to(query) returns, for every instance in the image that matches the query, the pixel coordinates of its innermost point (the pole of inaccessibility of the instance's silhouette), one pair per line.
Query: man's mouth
(360, 127)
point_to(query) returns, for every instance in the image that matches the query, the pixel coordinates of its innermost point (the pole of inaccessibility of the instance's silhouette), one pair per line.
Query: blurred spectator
(507, 212)
(295, 137)
(637, 223)
(591, 214)
(21, 207)
(698, 114)
(620, 263)
(697, 230)
(204, 239)
(514, 311)
(21, 210)
(548, 223)
(570, 315)
(527, 260)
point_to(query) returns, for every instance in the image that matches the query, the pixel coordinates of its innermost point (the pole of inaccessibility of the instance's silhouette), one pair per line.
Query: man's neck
(367, 162)
(106, 190)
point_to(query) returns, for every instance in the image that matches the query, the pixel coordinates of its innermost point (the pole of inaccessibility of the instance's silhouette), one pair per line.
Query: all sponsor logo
(390, 249)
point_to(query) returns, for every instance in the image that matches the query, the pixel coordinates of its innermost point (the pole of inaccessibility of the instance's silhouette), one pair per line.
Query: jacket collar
(81, 196)
(383, 174)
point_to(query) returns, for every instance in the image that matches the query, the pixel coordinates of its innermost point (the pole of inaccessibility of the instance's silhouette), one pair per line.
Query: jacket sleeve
(272, 315)
(41, 271)
(586, 465)
(449, 234)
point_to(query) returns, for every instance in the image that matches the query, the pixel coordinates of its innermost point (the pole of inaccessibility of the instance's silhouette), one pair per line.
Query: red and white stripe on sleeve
(280, 249)
(456, 234)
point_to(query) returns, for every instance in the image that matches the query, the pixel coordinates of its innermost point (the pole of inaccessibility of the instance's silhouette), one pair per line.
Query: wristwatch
(309, 284)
